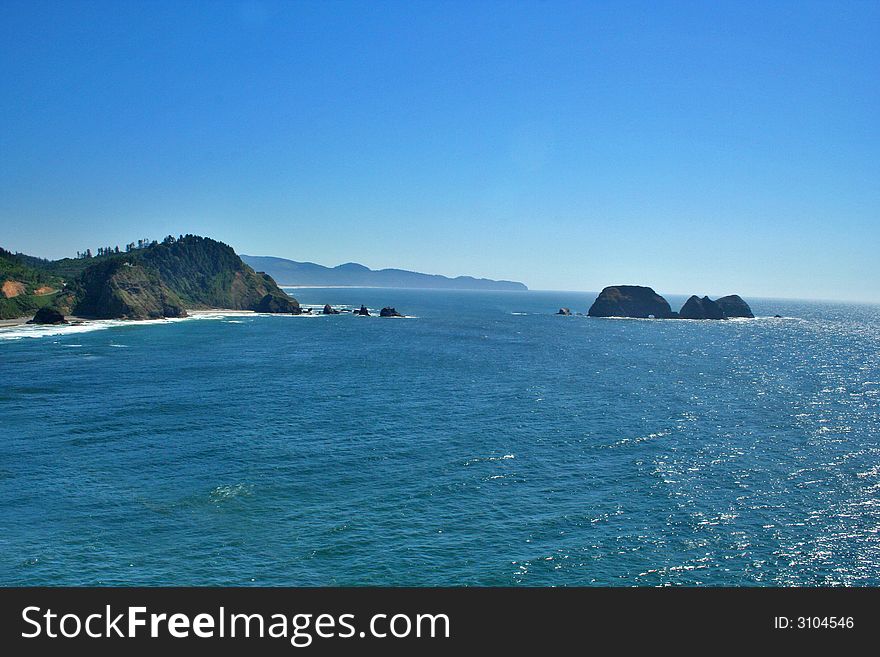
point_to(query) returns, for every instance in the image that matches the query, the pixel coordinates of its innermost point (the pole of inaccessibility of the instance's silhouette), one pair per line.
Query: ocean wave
(35, 331)
(482, 459)
(22, 331)
(222, 493)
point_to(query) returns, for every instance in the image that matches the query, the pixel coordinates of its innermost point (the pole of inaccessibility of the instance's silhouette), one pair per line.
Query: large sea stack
(630, 301)
(48, 316)
(733, 306)
(697, 308)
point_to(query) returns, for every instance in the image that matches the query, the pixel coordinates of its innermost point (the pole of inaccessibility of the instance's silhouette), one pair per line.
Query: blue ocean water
(483, 441)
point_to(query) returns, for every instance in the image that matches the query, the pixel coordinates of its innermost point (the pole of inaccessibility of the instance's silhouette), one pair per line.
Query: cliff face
(208, 274)
(118, 289)
(630, 301)
(164, 279)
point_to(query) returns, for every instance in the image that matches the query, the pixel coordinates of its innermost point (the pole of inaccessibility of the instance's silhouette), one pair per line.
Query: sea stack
(733, 306)
(564, 311)
(363, 312)
(630, 301)
(48, 316)
(697, 308)
(328, 310)
(387, 311)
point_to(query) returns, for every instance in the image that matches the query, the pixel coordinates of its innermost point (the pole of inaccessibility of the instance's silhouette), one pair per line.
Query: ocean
(480, 441)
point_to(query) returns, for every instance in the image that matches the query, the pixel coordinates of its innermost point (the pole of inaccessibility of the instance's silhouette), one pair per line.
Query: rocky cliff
(119, 289)
(163, 279)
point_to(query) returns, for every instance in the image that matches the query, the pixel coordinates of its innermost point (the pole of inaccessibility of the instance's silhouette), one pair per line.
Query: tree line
(131, 246)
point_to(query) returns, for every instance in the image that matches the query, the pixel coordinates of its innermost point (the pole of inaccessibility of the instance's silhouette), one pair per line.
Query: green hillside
(157, 280)
(24, 288)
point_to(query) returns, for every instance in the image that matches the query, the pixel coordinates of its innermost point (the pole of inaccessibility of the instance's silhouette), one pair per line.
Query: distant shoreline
(385, 287)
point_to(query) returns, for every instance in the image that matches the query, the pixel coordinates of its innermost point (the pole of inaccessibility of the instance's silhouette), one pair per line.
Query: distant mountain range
(290, 272)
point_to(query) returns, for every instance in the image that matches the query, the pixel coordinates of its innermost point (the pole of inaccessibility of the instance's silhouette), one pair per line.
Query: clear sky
(705, 147)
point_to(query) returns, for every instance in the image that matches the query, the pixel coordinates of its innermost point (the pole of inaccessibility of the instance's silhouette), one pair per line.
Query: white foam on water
(87, 326)
(22, 331)
(482, 459)
(289, 315)
(38, 331)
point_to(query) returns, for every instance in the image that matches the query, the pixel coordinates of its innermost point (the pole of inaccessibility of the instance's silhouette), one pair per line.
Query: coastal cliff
(163, 280)
(119, 289)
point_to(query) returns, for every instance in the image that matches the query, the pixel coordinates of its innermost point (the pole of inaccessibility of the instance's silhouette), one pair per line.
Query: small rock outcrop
(733, 306)
(564, 311)
(363, 312)
(387, 311)
(329, 310)
(48, 316)
(697, 308)
(278, 303)
(630, 301)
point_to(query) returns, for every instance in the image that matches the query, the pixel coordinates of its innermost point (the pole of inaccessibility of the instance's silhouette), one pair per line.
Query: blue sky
(697, 147)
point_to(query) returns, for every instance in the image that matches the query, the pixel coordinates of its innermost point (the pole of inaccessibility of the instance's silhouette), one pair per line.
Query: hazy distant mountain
(290, 272)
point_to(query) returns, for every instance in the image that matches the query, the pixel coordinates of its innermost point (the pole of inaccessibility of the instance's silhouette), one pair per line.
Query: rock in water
(733, 306)
(564, 311)
(328, 310)
(48, 316)
(697, 308)
(362, 312)
(276, 303)
(630, 301)
(387, 311)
